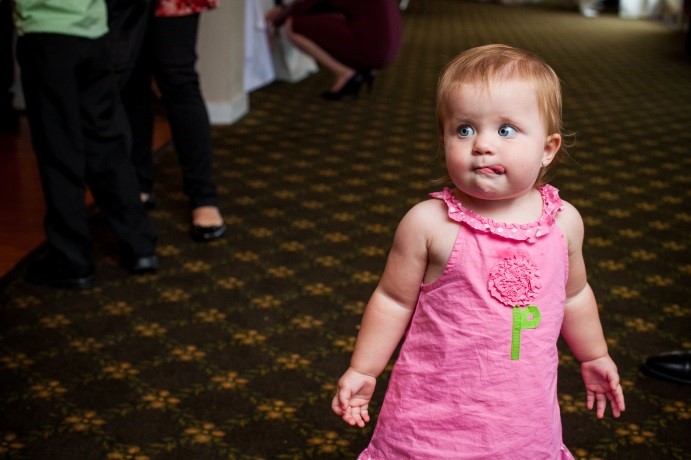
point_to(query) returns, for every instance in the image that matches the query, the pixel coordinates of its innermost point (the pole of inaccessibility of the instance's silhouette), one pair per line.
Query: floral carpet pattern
(232, 350)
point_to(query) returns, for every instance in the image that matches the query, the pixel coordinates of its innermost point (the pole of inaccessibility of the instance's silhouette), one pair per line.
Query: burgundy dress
(362, 34)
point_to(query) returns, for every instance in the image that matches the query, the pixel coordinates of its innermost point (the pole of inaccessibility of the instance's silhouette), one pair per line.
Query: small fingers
(364, 416)
(601, 404)
(615, 409)
(619, 395)
(616, 399)
(336, 406)
(590, 399)
(356, 416)
(356, 413)
(350, 418)
(598, 401)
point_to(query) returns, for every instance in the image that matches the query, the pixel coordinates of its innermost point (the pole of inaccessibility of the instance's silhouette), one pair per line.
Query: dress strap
(530, 232)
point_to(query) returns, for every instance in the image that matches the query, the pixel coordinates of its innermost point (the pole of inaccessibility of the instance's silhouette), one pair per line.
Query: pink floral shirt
(166, 8)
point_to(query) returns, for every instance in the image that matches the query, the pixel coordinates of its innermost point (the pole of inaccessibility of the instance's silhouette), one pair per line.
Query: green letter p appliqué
(523, 318)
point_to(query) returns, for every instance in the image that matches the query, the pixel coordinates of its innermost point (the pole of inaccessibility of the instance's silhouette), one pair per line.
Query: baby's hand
(602, 384)
(353, 396)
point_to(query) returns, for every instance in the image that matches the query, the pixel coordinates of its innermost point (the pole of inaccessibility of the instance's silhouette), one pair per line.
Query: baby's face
(494, 139)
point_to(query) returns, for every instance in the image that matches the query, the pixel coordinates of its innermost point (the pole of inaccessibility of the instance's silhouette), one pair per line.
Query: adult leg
(342, 73)
(110, 173)
(127, 24)
(48, 63)
(174, 50)
(9, 119)
(174, 53)
(137, 98)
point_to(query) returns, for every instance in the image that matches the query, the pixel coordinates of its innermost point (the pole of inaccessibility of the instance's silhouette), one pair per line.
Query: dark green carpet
(233, 349)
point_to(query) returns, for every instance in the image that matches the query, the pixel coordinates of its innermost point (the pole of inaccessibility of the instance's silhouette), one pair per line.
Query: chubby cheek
(454, 163)
(457, 170)
(453, 150)
(457, 148)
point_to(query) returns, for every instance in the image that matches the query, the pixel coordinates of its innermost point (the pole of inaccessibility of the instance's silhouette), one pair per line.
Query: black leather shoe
(203, 234)
(141, 265)
(674, 366)
(49, 272)
(150, 201)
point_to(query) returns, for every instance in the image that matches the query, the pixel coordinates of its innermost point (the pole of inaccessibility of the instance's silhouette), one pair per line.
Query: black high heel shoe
(368, 79)
(352, 87)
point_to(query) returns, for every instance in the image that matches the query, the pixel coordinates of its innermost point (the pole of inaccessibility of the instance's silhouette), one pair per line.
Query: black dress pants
(127, 25)
(6, 59)
(80, 136)
(170, 55)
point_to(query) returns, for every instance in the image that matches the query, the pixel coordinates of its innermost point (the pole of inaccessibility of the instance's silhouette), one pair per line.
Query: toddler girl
(481, 279)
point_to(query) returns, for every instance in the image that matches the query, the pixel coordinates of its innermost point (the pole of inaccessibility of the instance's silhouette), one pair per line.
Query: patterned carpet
(233, 349)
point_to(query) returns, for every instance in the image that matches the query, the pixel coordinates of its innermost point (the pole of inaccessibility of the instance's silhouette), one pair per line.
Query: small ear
(552, 146)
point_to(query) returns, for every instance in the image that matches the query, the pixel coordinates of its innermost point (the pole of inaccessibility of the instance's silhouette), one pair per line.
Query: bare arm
(582, 329)
(386, 317)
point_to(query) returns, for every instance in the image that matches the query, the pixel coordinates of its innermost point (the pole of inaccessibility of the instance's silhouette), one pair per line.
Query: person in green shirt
(81, 139)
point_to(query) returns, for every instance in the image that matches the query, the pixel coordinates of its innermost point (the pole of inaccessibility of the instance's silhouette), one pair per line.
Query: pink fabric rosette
(515, 281)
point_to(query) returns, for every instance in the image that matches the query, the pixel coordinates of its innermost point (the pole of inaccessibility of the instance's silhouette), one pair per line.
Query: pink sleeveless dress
(476, 376)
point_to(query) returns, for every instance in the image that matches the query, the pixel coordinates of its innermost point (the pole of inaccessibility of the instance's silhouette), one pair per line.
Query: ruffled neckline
(530, 232)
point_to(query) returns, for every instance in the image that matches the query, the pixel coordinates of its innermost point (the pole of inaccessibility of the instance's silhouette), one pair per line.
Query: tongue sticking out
(494, 169)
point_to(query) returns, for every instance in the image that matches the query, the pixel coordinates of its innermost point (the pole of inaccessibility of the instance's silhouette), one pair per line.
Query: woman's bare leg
(342, 73)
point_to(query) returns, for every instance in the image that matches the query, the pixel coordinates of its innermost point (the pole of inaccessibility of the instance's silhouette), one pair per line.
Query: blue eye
(507, 131)
(465, 131)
